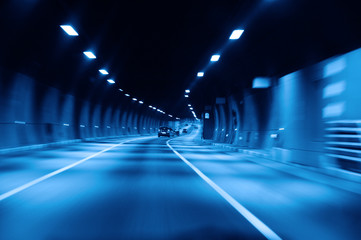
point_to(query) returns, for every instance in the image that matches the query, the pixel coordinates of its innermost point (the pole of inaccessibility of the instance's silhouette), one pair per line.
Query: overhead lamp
(170, 115)
(103, 71)
(154, 108)
(150, 106)
(121, 90)
(127, 95)
(141, 102)
(186, 96)
(187, 91)
(236, 34)
(191, 108)
(111, 81)
(69, 30)
(200, 74)
(134, 99)
(215, 57)
(189, 105)
(89, 54)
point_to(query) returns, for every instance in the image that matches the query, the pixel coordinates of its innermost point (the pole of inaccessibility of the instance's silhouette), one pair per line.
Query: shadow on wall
(310, 117)
(32, 113)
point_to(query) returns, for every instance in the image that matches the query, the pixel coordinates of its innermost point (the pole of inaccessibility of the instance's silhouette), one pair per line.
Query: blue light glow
(111, 81)
(186, 96)
(200, 74)
(187, 91)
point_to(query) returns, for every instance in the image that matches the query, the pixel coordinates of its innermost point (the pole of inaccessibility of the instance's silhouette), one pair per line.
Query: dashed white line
(49, 175)
(258, 224)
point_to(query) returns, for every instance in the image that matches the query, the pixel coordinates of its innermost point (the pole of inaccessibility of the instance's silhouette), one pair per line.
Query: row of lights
(236, 34)
(192, 111)
(71, 32)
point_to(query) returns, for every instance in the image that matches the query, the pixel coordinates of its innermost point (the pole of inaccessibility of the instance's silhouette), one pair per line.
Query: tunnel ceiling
(153, 50)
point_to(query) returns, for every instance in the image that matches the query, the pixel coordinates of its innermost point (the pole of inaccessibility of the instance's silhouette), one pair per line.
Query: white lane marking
(49, 175)
(258, 224)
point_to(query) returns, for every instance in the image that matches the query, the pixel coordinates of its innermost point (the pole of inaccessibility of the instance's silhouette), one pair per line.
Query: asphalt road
(152, 188)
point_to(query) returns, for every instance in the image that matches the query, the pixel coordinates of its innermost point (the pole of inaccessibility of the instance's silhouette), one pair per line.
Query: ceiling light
(187, 91)
(200, 74)
(191, 108)
(141, 102)
(189, 105)
(134, 99)
(69, 30)
(121, 90)
(150, 106)
(215, 58)
(127, 95)
(186, 96)
(236, 34)
(111, 81)
(89, 54)
(103, 71)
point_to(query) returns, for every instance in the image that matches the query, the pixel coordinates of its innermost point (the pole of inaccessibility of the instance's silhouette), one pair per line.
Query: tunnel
(232, 119)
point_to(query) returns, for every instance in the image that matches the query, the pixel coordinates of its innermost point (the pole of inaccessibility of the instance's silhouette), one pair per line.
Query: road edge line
(250, 217)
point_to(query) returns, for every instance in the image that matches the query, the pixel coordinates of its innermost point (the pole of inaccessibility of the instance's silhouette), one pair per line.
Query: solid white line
(49, 175)
(258, 224)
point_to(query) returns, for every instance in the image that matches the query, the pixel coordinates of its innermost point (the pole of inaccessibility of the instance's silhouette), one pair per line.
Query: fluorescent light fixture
(200, 74)
(191, 108)
(121, 90)
(127, 95)
(154, 108)
(103, 71)
(69, 30)
(89, 54)
(141, 102)
(170, 115)
(187, 91)
(150, 106)
(134, 99)
(186, 96)
(236, 34)
(177, 118)
(215, 57)
(111, 81)
(189, 105)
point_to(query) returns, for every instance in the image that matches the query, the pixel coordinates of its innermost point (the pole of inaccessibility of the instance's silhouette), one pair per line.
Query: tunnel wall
(305, 117)
(33, 113)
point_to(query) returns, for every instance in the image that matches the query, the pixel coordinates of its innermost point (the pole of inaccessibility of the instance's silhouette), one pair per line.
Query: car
(165, 131)
(185, 130)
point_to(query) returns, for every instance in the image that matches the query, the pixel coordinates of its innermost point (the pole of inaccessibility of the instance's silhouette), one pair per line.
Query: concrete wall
(293, 117)
(33, 113)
